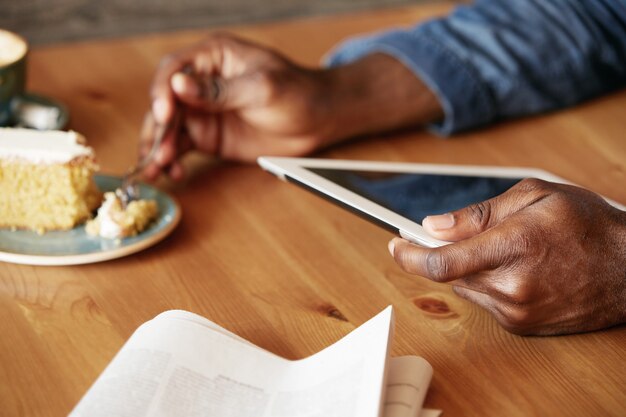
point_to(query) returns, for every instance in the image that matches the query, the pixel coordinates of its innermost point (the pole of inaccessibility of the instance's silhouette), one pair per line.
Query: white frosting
(12, 47)
(50, 146)
(109, 228)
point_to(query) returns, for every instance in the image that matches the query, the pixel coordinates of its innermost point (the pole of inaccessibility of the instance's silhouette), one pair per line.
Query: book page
(429, 412)
(408, 378)
(180, 364)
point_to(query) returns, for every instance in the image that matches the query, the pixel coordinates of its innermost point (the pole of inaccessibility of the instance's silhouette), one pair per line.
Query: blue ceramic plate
(75, 246)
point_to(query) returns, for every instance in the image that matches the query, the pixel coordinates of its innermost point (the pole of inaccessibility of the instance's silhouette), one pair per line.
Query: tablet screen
(416, 196)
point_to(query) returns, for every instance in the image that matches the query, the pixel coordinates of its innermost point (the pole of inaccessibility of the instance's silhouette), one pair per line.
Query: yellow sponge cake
(46, 180)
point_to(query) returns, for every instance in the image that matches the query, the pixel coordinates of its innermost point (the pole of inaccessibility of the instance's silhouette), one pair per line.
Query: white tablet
(397, 196)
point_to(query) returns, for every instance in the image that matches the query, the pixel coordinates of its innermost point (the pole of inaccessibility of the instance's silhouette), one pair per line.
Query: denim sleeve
(505, 58)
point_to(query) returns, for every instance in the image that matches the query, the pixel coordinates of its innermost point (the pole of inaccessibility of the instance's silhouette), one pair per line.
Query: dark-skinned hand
(238, 100)
(542, 258)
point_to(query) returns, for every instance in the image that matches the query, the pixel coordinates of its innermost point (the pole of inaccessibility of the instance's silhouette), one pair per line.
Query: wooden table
(295, 290)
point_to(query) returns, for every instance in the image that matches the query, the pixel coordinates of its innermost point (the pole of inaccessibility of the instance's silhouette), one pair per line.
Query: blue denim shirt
(505, 58)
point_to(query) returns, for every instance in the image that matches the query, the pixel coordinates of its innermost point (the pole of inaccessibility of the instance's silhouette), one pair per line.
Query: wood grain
(294, 290)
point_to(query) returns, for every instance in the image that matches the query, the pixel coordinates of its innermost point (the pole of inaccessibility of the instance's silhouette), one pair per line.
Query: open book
(181, 364)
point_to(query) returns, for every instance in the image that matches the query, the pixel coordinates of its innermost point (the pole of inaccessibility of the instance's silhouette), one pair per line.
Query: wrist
(375, 94)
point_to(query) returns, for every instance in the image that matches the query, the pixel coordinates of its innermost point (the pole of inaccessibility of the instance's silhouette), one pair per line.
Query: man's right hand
(240, 100)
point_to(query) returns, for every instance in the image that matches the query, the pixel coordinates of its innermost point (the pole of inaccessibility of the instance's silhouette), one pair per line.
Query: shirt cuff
(466, 102)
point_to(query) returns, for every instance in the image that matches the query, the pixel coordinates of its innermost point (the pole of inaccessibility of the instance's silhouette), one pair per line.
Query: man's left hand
(542, 258)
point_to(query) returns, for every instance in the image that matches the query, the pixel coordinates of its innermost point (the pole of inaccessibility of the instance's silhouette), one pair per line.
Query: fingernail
(440, 222)
(178, 83)
(160, 108)
(391, 246)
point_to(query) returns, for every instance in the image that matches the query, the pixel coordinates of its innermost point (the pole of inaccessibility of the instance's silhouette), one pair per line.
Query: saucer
(39, 112)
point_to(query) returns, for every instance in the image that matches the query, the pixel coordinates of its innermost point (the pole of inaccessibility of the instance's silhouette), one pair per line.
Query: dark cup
(13, 52)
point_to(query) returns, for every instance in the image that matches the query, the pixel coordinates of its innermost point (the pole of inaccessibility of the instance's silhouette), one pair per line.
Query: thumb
(477, 218)
(220, 94)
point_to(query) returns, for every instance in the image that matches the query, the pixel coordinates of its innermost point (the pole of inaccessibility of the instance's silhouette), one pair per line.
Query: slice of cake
(46, 180)
(115, 222)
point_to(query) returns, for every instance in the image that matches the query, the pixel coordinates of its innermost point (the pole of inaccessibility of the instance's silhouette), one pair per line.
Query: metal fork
(129, 190)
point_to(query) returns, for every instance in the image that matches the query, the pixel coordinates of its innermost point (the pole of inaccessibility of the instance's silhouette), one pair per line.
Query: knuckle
(563, 203)
(516, 320)
(480, 214)
(520, 243)
(517, 293)
(516, 289)
(532, 185)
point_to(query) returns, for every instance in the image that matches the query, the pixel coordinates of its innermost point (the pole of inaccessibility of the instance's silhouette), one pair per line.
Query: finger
(173, 167)
(167, 151)
(171, 154)
(183, 145)
(479, 217)
(176, 171)
(150, 172)
(221, 94)
(163, 100)
(220, 54)
(454, 261)
(204, 131)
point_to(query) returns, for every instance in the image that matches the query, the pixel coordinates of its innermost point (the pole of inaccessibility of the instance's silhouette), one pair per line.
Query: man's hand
(239, 100)
(542, 258)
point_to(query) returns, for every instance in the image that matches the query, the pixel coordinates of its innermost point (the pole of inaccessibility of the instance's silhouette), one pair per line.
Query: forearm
(498, 59)
(375, 94)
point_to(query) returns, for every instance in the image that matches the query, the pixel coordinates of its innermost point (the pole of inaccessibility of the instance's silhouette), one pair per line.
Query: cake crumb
(115, 222)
